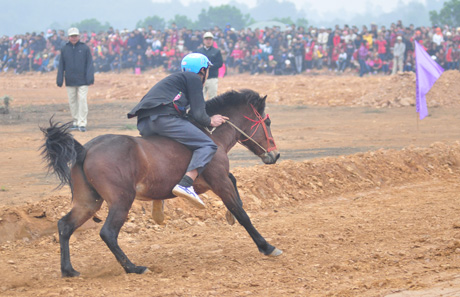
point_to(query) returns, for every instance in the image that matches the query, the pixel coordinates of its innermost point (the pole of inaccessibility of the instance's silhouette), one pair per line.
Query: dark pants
(183, 131)
(363, 69)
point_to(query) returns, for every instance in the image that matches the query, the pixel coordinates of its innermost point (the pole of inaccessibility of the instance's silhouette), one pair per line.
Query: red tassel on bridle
(257, 123)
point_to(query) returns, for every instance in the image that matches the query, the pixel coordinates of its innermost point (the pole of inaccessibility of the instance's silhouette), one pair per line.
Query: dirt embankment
(319, 90)
(264, 187)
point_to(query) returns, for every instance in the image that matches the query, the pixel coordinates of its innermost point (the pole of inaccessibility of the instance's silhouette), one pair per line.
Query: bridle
(257, 123)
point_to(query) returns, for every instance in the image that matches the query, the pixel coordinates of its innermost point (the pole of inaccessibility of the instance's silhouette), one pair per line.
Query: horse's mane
(233, 98)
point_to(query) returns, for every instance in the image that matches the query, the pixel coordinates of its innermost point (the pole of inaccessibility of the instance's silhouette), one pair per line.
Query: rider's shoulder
(189, 75)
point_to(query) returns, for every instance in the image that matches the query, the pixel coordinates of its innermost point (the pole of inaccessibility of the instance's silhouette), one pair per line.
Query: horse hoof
(230, 218)
(70, 273)
(139, 270)
(276, 252)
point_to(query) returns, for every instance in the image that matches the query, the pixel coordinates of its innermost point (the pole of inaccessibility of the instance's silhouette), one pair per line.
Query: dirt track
(364, 200)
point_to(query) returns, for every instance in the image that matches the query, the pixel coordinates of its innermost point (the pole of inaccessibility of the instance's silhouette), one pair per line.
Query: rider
(162, 111)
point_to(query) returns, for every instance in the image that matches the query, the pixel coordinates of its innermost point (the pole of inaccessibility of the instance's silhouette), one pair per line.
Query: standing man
(398, 55)
(215, 57)
(76, 65)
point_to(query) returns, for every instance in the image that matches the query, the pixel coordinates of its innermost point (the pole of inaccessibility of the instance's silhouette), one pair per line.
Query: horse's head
(258, 137)
(246, 112)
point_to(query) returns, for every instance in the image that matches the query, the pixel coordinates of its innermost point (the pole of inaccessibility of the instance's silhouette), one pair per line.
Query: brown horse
(120, 168)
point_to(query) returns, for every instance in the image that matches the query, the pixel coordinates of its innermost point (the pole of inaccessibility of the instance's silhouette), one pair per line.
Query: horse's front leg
(225, 188)
(228, 215)
(158, 207)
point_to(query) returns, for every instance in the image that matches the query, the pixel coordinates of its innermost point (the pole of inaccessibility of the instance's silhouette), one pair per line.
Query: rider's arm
(196, 99)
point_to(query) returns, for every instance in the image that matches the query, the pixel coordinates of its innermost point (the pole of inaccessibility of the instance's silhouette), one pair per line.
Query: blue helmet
(194, 62)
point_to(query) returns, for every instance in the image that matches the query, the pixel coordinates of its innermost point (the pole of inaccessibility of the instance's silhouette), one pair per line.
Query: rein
(257, 123)
(249, 138)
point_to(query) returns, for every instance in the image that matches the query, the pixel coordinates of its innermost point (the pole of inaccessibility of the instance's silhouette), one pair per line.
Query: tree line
(222, 15)
(215, 16)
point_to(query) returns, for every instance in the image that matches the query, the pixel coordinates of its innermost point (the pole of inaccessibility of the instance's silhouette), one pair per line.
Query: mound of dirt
(399, 90)
(261, 187)
(316, 90)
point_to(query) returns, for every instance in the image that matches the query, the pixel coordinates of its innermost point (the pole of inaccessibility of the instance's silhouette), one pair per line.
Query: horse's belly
(144, 193)
(143, 198)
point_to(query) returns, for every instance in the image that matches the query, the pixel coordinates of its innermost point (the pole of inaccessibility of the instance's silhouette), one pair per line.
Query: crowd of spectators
(279, 51)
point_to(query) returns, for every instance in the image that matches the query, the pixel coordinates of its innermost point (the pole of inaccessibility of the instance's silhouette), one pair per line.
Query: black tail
(61, 151)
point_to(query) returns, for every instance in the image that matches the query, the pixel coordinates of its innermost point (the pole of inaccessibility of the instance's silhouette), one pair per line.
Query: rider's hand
(217, 120)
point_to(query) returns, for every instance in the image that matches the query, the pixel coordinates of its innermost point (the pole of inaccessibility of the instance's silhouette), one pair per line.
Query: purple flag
(427, 71)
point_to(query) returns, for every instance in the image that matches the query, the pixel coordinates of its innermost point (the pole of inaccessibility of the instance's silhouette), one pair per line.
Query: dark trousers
(363, 69)
(183, 131)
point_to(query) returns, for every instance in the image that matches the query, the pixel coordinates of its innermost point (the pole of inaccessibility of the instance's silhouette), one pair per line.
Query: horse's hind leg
(86, 203)
(118, 212)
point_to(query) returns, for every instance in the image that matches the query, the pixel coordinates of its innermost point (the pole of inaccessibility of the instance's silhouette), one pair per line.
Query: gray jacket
(399, 49)
(76, 65)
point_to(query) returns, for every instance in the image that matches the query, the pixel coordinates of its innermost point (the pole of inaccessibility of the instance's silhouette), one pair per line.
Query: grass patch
(374, 111)
(129, 127)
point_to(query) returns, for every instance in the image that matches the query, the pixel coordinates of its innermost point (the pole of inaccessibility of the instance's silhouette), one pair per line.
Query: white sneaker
(189, 194)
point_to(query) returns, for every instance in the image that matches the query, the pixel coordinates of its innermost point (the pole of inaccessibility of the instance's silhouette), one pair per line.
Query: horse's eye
(268, 121)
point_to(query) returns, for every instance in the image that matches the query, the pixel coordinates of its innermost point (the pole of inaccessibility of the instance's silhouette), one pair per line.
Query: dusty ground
(363, 202)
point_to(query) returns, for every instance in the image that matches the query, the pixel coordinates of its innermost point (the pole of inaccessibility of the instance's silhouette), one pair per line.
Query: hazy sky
(40, 17)
(323, 6)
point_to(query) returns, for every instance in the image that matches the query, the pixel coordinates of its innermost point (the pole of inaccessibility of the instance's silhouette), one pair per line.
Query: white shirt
(322, 38)
(438, 39)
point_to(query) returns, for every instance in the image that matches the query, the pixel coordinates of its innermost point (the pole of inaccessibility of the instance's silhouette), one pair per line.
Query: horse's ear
(261, 103)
